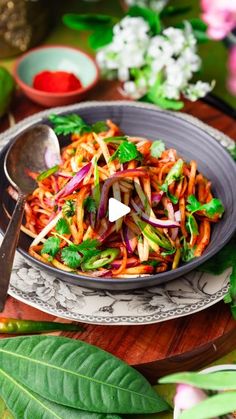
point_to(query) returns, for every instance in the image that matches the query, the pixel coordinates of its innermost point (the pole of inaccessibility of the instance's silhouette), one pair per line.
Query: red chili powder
(56, 82)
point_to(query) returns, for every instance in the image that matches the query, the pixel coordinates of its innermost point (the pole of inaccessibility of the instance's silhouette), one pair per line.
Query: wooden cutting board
(181, 344)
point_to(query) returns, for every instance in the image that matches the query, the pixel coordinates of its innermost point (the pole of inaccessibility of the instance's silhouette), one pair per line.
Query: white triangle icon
(116, 209)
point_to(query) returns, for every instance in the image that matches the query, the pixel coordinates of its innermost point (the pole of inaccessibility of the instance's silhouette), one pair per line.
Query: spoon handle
(8, 248)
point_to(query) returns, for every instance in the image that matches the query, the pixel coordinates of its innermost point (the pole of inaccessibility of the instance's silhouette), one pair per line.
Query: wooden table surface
(186, 343)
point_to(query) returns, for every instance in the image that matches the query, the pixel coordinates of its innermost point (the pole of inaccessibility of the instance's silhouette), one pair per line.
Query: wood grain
(186, 343)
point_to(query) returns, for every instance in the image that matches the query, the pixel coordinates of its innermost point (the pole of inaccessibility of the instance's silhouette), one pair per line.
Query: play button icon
(116, 210)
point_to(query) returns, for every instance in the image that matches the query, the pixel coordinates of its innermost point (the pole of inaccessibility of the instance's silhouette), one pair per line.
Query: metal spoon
(36, 149)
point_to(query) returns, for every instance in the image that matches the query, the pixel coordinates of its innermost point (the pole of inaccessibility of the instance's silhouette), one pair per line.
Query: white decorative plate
(186, 295)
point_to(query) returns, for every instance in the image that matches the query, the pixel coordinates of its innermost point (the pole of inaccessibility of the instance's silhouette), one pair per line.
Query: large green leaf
(79, 375)
(222, 380)
(101, 37)
(91, 21)
(25, 404)
(218, 405)
(175, 10)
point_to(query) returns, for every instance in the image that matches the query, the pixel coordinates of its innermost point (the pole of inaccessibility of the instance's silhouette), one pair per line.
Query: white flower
(175, 76)
(170, 57)
(177, 39)
(190, 59)
(134, 90)
(128, 47)
(170, 91)
(156, 5)
(191, 41)
(197, 90)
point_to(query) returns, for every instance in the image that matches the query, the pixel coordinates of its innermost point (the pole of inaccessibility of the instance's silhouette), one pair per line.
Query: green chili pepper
(18, 326)
(175, 172)
(102, 259)
(7, 87)
(153, 235)
(96, 190)
(48, 173)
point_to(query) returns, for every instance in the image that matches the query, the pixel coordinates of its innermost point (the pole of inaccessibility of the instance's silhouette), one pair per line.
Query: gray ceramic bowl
(192, 140)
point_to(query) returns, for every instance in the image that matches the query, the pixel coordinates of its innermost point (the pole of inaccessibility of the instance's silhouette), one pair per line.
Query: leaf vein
(16, 383)
(76, 374)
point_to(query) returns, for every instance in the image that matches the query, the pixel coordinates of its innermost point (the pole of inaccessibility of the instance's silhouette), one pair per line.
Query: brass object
(23, 24)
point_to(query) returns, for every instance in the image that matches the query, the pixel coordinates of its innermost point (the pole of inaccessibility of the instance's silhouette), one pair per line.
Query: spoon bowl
(35, 150)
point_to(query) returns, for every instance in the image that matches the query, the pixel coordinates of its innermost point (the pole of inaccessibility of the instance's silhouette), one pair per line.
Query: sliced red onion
(92, 219)
(131, 262)
(49, 202)
(130, 239)
(110, 229)
(73, 184)
(171, 215)
(178, 216)
(154, 221)
(104, 272)
(156, 197)
(109, 182)
(66, 175)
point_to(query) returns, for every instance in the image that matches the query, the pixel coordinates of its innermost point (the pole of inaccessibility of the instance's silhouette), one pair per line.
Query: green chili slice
(48, 173)
(104, 258)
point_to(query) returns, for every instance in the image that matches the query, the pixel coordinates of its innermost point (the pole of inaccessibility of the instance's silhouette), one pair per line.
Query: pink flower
(187, 396)
(232, 70)
(220, 16)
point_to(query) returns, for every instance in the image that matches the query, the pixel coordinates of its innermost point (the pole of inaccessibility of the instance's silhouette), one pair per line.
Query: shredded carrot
(151, 233)
(204, 239)
(123, 263)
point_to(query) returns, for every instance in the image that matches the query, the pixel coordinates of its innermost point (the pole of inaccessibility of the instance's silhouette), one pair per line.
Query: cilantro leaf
(47, 173)
(62, 226)
(71, 257)
(157, 148)
(75, 254)
(68, 208)
(224, 259)
(211, 208)
(99, 126)
(174, 174)
(69, 124)
(187, 252)
(191, 225)
(87, 244)
(126, 151)
(90, 204)
(232, 151)
(193, 204)
(51, 246)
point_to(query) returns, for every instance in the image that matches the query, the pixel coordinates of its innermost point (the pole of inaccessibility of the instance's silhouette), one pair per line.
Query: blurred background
(44, 26)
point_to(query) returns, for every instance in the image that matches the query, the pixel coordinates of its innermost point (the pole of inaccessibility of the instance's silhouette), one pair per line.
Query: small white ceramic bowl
(55, 58)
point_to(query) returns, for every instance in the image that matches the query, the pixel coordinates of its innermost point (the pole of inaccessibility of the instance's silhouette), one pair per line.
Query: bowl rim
(137, 281)
(31, 89)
